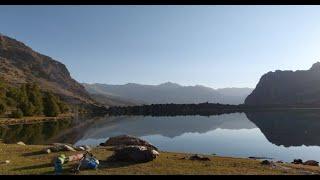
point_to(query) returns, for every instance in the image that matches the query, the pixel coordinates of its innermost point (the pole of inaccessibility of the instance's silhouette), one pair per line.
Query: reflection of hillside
(289, 128)
(38, 133)
(165, 126)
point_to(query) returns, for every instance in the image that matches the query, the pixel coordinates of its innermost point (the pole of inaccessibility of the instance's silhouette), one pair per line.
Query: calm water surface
(284, 135)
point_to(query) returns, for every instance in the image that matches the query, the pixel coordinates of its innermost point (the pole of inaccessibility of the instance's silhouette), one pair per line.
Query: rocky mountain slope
(288, 88)
(20, 64)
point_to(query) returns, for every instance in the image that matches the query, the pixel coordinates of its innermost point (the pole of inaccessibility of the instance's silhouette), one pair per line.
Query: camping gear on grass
(88, 161)
(58, 162)
(76, 157)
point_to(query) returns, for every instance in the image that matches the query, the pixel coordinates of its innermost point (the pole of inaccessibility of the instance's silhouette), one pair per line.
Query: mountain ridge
(167, 92)
(301, 87)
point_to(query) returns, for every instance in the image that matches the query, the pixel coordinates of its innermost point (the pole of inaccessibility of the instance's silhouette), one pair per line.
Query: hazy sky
(216, 46)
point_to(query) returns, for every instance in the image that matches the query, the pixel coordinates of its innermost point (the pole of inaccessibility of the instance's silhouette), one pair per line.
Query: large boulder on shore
(135, 154)
(311, 163)
(126, 140)
(297, 161)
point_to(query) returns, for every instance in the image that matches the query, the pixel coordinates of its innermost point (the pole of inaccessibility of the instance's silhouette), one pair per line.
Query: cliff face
(288, 88)
(20, 64)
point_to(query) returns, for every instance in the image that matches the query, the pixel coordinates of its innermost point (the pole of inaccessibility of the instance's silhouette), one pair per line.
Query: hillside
(288, 88)
(170, 93)
(20, 64)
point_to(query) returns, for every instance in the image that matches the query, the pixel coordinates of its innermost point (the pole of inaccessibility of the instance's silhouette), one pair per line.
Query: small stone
(199, 158)
(5, 162)
(21, 143)
(265, 162)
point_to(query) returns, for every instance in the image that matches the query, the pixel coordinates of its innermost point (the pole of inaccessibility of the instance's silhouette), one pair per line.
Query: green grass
(28, 160)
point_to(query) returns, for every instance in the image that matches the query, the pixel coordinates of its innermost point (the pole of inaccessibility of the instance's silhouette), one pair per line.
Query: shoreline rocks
(136, 154)
(57, 147)
(131, 149)
(297, 161)
(127, 140)
(266, 162)
(198, 158)
(21, 143)
(308, 162)
(311, 163)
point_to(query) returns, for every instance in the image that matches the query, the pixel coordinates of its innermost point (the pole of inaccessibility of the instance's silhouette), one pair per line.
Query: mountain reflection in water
(280, 134)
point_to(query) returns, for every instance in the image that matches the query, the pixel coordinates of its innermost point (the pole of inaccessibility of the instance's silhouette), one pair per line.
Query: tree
(63, 107)
(27, 108)
(51, 107)
(16, 114)
(2, 107)
(23, 101)
(35, 98)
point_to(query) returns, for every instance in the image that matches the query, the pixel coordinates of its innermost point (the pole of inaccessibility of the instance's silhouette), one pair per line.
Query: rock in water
(126, 140)
(199, 157)
(21, 143)
(136, 154)
(297, 161)
(311, 163)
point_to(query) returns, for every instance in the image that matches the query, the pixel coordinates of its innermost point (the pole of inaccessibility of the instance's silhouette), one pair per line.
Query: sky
(215, 46)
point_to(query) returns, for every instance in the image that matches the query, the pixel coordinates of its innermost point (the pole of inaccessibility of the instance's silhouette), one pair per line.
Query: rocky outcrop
(126, 140)
(288, 88)
(311, 163)
(135, 154)
(20, 64)
(297, 161)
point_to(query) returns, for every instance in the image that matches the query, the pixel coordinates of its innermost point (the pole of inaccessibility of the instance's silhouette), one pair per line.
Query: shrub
(16, 114)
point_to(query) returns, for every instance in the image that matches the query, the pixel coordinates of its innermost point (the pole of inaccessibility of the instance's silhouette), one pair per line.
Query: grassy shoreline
(28, 160)
(33, 119)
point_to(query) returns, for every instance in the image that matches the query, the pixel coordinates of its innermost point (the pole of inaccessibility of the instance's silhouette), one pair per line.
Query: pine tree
(35, 97)
(23, 101)
(51, 107)
(63, 107)
(2, 107)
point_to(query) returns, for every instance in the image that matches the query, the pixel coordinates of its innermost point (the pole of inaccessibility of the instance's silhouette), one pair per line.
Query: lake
(282, 135)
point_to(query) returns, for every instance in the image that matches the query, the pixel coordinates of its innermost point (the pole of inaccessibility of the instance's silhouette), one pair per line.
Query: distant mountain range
(167, 93)
(288, 88)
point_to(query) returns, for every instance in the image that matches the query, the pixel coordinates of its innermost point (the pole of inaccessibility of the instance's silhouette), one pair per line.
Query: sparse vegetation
(28, 160)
